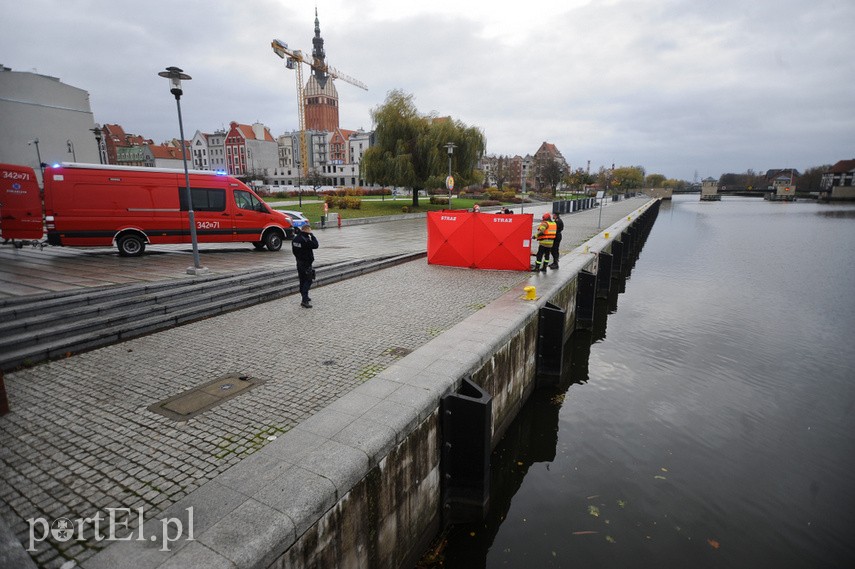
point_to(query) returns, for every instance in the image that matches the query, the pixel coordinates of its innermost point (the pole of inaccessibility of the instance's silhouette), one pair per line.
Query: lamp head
(175, 76)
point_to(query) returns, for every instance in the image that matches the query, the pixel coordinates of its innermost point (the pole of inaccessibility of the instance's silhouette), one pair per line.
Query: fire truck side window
(246, 200)
(204, 199)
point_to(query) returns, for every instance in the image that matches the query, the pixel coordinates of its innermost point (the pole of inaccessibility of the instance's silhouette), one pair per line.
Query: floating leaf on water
(520, 463)
(660, 477)
(554, 554)
(713, 543)
(594, 496)
(594, 511)
(585, 532)
(610, 539)
(664, 469)
(621, 503)
(471, 534)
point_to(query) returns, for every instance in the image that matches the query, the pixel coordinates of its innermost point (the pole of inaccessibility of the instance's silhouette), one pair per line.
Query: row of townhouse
(250, 151)
(523, 172)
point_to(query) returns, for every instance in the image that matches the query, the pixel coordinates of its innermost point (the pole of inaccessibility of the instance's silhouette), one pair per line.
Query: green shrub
(343, 202)
(351, 203)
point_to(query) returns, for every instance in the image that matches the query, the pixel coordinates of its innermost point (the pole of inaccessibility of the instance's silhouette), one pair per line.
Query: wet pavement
(34, 270)
(81, 437)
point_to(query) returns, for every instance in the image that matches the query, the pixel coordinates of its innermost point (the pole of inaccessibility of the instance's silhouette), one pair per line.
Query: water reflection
(531, 439)
(838, 213)
(713, 427)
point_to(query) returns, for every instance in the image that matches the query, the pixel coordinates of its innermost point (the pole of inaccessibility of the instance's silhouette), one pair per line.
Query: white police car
(298, 220)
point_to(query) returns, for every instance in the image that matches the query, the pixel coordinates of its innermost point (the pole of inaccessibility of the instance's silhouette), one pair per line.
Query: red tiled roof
(246, 131)
(548, 147)
(137, 140)
(116, 134)
(165, 152)
(115, 130)
(248, 134)
(843, 166)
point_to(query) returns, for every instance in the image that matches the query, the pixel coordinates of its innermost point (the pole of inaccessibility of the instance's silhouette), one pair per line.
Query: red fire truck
(89, 205)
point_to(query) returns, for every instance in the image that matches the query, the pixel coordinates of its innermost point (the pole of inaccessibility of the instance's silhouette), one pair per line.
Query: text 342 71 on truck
(89, 205)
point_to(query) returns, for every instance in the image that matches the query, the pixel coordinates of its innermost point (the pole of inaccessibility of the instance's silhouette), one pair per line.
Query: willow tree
(410, 149)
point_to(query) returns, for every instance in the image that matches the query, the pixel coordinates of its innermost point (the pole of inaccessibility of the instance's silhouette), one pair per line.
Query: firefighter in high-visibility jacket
(545, 236)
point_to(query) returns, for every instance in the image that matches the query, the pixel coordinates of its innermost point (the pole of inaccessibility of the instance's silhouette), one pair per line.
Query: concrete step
(108, 335)
(24, 306)
(155, 297)
(128, 311)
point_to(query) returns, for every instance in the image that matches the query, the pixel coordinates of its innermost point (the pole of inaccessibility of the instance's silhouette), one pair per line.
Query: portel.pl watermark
(105, 528)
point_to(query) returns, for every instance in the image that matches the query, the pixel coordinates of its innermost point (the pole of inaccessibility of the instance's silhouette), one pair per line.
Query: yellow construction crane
(293, 58)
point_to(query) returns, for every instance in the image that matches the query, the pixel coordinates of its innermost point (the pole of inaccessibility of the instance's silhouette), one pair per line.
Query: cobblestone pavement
(80, 438)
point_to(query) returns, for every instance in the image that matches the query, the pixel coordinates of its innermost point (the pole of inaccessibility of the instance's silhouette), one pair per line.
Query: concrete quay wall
(359, 483)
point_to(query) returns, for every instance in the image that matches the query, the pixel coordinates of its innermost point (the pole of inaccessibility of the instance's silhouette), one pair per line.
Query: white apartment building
(41, 108)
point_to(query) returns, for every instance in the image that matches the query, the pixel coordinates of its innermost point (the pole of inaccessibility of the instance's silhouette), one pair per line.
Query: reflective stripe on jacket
(546, 232)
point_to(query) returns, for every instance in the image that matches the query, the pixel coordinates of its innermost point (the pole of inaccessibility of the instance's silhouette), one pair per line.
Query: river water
(708, 420)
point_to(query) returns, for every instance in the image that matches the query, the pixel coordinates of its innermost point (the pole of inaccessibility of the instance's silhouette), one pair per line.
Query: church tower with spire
(321, 96)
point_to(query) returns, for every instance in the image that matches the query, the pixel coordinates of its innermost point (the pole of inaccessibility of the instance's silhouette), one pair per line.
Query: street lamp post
(97, 132)
(70, 146)
(450, 146)
(175, 76)
(299, 186)
(38, 154)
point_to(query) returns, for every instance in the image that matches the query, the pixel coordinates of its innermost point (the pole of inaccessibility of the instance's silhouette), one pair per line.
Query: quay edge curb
(326, 456)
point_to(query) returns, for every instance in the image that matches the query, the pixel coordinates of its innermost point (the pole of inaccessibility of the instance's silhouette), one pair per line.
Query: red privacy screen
(479, 240)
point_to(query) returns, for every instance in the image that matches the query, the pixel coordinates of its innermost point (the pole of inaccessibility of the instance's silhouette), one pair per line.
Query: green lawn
(371, 208)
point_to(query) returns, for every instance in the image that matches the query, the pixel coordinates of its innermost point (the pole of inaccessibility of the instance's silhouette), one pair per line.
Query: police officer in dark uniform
(559, 228)
(303, 246)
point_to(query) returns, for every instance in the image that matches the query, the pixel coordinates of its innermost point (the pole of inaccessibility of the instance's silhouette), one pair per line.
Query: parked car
(298, 220)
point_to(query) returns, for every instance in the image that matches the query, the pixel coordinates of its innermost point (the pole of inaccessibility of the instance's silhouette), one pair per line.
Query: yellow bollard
(606, 235)
(530, 293)
(629, 218)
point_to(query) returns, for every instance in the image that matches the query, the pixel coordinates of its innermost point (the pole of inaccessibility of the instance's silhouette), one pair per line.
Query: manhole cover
(190, 403)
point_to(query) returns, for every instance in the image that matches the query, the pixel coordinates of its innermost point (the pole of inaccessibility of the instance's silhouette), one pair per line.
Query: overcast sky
(681, 87)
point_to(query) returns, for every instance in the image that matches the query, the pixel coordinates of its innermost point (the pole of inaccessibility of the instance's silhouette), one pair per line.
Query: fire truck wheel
(273, 240)
(130, 245)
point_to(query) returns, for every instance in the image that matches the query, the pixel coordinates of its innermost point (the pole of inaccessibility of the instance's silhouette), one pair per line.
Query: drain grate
(190, 403)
